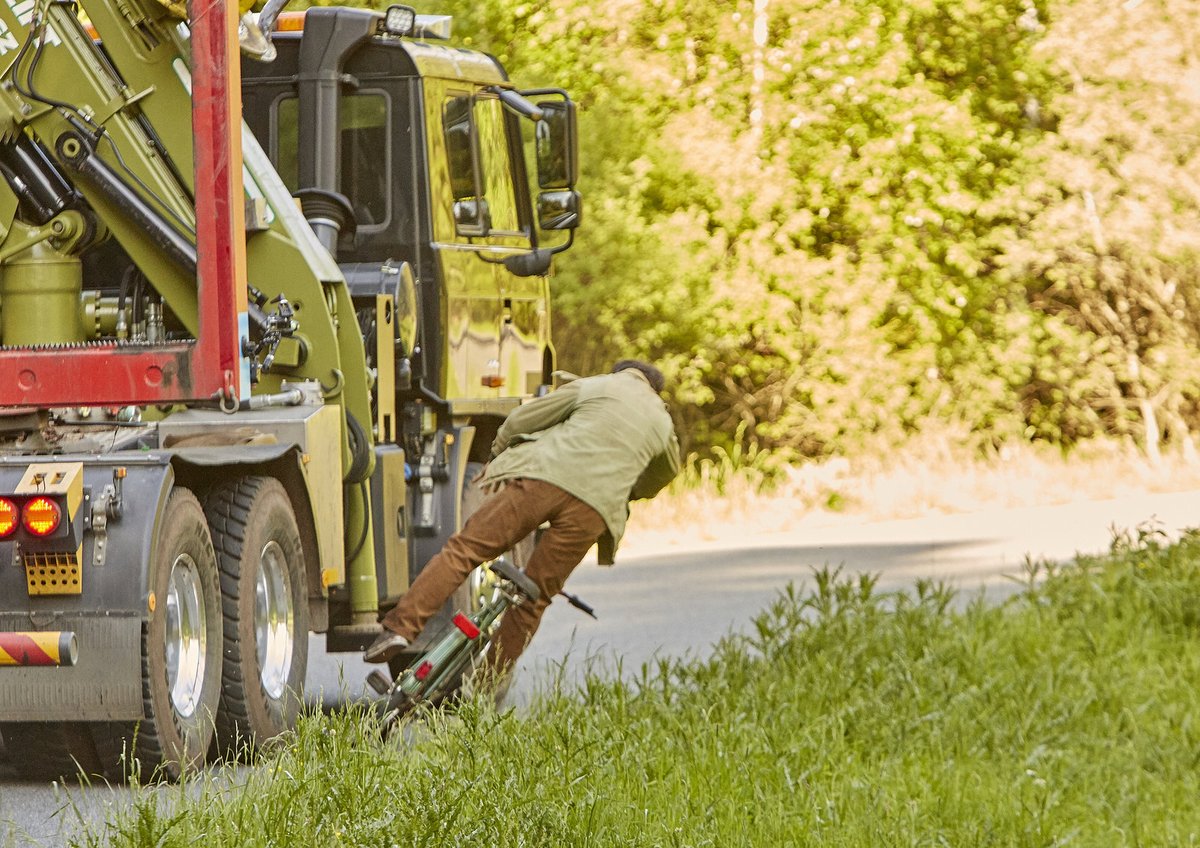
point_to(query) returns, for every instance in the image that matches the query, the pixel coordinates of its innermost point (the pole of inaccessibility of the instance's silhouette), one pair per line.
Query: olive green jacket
(606, 439)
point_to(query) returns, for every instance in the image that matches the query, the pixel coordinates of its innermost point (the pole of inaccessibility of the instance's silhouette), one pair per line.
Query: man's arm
(539, 414)
(661, 471)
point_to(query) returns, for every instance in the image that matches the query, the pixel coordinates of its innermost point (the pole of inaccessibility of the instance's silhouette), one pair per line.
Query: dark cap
(653, 376)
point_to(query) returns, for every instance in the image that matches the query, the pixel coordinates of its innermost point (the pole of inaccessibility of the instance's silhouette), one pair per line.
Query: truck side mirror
(559, 209)
(472, 216)
(557, 145)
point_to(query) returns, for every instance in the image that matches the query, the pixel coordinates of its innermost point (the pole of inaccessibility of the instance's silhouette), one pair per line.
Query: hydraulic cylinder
(40, 298)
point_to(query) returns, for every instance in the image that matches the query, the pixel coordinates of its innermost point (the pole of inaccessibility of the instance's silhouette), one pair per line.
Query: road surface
(680, 601)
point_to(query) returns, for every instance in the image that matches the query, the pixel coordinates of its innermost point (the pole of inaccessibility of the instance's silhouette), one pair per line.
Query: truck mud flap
(104, 684)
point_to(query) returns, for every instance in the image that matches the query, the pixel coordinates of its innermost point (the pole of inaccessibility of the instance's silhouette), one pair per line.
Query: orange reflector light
(492, 381)
(423, 670)
(41, 516)
(8, 517)
(466, 626)
(290, 22)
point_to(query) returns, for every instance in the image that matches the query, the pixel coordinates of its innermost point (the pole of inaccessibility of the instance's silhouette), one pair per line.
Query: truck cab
(420, 141)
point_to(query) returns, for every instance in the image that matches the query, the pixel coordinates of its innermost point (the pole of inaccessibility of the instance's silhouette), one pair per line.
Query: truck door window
(365, 173)
(497, 169)
(478, 150)
(460, 148)
(285, 134)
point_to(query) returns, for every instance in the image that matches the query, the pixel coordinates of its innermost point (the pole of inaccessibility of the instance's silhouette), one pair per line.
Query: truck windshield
(365, 152)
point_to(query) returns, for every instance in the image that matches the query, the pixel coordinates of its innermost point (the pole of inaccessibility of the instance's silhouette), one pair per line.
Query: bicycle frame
(439, 668)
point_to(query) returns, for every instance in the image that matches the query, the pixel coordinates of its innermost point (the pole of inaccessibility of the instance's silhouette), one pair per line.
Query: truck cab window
(365, 173)
(496, 165)
(477, 147)
(285, 133)
(460, 148)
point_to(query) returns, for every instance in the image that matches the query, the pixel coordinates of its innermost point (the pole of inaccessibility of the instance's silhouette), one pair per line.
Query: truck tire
(181, 655)
(264, 602)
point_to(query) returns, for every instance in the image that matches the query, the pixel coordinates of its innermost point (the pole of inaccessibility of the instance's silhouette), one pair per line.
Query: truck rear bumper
(104, 684)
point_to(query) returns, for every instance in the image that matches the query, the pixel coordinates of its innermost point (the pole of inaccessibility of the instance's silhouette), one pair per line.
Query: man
(574, 458)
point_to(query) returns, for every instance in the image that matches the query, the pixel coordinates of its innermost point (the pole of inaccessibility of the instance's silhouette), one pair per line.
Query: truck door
(496, 321)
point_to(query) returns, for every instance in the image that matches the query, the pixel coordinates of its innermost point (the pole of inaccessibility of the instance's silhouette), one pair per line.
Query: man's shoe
(385, 647)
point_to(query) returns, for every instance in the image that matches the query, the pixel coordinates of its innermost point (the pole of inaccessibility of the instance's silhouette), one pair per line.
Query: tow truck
(259, 321)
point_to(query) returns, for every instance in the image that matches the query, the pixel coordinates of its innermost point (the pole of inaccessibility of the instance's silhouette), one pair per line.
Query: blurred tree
(837, 222)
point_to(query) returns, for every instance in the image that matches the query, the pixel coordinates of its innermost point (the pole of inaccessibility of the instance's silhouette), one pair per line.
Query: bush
(839, 222)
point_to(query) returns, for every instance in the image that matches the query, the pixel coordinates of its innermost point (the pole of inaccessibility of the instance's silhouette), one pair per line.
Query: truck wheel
(181, 655)
(265, 605)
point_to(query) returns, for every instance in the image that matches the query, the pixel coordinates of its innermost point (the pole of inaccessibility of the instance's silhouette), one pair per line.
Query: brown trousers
(504, 518)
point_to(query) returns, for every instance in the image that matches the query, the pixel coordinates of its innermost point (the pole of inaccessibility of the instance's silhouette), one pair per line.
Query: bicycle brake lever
(575, 601)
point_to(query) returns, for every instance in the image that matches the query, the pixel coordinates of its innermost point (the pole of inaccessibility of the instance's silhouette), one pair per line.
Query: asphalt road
(679, 602)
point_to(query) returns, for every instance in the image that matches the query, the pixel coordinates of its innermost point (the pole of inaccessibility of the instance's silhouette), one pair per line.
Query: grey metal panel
(230, 455)
(315, 430)
(106, 683)
(119, 585)
(287, 423)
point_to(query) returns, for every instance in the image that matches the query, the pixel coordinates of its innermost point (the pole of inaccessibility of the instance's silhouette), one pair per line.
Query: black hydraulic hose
(139, 291)
(357, 475)
(95, 131)
(37, 32)
(76, 152)
(362, 538)
(122, 294)
(360, 449)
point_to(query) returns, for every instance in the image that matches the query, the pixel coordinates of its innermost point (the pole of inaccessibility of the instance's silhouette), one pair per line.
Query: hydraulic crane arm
(68, 97)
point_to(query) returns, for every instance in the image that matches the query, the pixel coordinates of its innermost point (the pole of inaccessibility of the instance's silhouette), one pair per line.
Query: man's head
(653, 376)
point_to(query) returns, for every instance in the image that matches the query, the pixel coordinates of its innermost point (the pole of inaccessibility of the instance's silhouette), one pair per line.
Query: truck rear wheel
(265, 609)
(181, 655)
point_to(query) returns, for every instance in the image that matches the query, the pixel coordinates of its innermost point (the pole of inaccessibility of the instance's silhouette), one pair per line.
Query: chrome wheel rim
(274, 620)
(186, 637)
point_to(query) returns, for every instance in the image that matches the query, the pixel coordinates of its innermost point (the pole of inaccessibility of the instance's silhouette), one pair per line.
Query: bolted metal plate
(105, 684)
(53, 573)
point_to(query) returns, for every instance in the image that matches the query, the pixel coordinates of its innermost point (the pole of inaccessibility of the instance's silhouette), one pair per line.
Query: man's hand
(482, 473)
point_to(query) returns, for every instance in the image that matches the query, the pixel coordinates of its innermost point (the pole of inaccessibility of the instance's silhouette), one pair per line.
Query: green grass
(1064, 716)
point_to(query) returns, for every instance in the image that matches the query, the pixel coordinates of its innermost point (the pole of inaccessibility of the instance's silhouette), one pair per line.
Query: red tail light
(9, 515)
(41, 516)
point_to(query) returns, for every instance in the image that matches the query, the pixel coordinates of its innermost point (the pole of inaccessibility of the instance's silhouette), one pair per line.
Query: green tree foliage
(837, 222)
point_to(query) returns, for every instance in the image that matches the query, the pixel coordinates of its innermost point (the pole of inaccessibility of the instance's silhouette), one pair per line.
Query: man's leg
(574, 528)
(503, 519)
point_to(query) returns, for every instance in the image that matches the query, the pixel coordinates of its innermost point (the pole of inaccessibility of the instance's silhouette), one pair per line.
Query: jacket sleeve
(539, 414)
(661, 471)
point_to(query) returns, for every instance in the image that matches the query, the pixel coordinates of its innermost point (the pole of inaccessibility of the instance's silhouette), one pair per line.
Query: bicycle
(441, 670)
